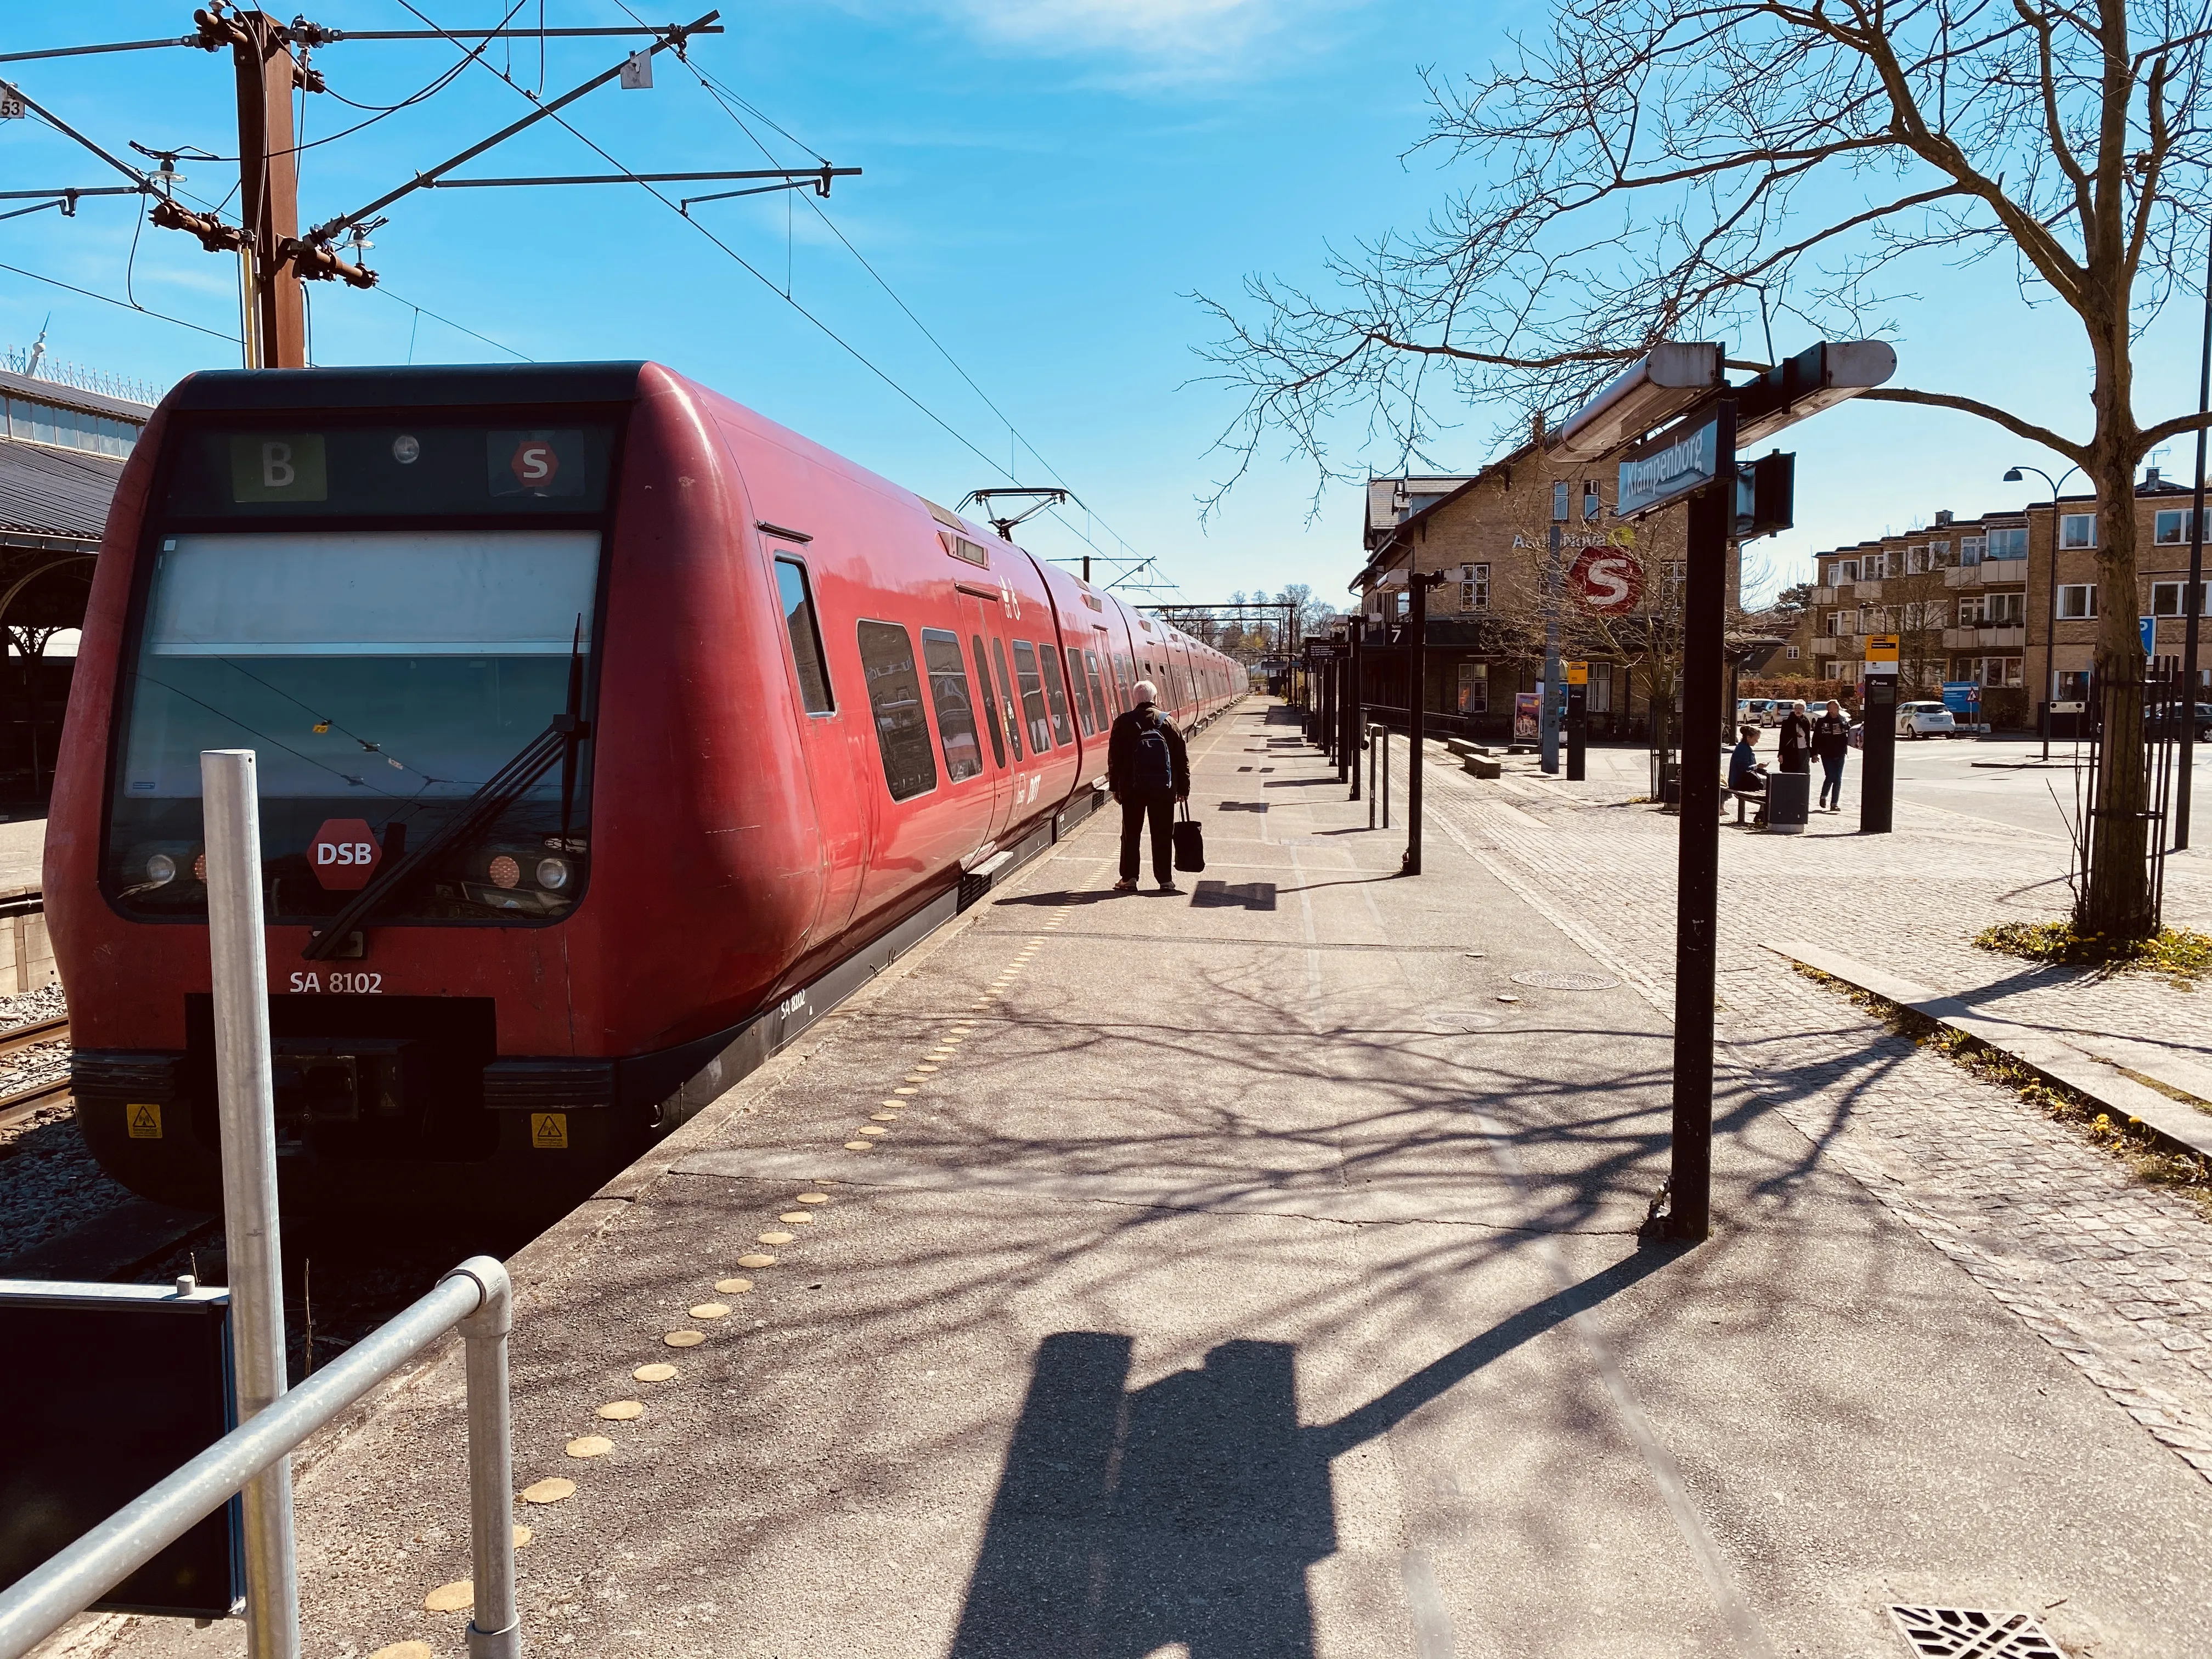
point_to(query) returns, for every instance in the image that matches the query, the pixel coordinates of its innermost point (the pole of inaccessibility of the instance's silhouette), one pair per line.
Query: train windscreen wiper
(557, 742)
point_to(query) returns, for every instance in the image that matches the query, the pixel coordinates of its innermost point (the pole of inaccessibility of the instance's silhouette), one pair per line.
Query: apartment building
(1973, 600)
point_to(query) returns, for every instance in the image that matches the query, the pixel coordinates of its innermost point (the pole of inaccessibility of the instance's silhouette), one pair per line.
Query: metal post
(1384, 731)
(245, 1108)
(2050, 624)
(1712, 511)
(496, 1624)
(1547, 722)
(1374, 761)
(2192, 595)
(1577, 732)
(1417, 702)
(1878, 761)
(1355, 714)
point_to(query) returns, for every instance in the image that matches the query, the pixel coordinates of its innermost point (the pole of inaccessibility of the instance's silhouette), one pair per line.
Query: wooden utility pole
(272, 308)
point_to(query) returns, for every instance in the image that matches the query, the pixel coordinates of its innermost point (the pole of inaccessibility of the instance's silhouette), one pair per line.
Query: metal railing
(254, 1460)
(474, 1296)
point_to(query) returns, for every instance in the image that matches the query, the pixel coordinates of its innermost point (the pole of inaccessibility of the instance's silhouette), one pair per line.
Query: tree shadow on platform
(1188, 1511)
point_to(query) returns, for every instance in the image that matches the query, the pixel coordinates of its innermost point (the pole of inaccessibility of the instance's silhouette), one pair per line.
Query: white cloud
(1162, 40)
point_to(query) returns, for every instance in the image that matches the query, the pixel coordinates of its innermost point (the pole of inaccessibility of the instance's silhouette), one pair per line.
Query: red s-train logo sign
(344, 855)
(535, 463)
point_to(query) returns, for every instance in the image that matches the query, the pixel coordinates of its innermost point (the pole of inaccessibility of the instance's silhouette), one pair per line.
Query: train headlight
(504, 871)
(553, 874)
(161, 870)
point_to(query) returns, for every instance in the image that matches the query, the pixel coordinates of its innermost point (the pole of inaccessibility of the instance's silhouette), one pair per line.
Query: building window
(1994, 611)
(2077, 601)
(1839, 623)
(2165, 599)
(70, 428)
(1474, 588)
(1846, 570)
(2073, 685)
(1971, 548)
(1474, 688)
(1791, 654)
(1592, 503)
(2077, 530)
(2170, 527)
(1939, 555)
(1917, 561)
(2000, 671)
(1599, 698)
(2007, 542)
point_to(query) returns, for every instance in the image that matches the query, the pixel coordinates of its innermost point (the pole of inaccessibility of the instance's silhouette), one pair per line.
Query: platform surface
(1255, 1272)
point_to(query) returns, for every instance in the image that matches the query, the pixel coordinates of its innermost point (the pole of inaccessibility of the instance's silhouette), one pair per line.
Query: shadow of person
(1187, 1511)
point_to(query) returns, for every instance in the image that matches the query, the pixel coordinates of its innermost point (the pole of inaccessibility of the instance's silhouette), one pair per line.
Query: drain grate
(1972, 1633)
(1564, 979)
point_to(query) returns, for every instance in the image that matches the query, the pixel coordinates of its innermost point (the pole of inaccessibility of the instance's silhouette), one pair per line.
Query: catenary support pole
(1547, 725)
(2192, 593)
(1355, 705)
(1712, 510)
(269, 192)
(246, 1109)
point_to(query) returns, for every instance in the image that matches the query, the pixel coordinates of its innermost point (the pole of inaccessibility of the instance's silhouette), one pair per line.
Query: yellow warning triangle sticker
(145, 1122)
(549, 1129)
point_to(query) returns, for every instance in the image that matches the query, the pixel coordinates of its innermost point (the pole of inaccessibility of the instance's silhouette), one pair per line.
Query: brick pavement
(2114, 1274)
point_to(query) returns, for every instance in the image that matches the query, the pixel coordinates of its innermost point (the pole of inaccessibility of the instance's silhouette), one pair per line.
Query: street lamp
(2016, 475)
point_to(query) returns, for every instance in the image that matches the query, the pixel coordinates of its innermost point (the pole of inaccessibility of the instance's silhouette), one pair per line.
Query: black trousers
(1160, 809)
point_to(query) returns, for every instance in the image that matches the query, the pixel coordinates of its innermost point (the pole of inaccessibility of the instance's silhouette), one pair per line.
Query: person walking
(1148, 770)
(1796, 737)
(1832, 741)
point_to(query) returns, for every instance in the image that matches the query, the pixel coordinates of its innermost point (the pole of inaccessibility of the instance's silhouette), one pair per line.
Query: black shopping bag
(1189, 841)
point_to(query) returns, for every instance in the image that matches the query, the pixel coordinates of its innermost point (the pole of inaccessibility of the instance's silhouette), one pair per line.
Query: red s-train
(607, 734)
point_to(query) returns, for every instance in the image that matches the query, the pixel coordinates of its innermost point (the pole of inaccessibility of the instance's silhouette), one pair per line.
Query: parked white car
(1924, 719)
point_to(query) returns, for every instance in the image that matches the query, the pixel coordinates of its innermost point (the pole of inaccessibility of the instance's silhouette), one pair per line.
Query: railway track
(20, 1103)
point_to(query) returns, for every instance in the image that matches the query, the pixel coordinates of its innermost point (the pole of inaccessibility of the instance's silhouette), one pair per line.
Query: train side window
(1007, 699)
(895, 695)
(799, 622)
(1054, 694)
(984, 694)
(956, 715)
(1084, 712)
(1098, 691)
(1025, 673)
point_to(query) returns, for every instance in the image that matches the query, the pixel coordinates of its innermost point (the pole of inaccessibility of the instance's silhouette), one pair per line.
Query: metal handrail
(477, 1297)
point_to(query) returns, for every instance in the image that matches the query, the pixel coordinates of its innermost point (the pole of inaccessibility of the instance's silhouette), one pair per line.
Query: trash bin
(1789, 802)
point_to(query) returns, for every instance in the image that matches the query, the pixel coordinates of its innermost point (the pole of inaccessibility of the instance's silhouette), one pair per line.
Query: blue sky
(1046, 183)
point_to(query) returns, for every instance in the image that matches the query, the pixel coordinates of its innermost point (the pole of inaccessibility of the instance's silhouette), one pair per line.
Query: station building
(62, 442)
(1487, 534)
(1972, 600)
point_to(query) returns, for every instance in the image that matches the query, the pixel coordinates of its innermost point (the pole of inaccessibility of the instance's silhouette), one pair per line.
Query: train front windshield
(389, 616)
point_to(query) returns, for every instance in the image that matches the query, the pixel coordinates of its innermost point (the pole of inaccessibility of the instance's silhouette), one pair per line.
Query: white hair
(1145, 691)
(1799, 705)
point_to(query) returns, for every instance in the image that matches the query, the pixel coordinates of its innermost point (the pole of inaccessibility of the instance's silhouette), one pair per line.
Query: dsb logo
(344, 855)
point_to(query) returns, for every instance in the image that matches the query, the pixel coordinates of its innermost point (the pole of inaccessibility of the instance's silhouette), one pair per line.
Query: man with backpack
(1148, 770)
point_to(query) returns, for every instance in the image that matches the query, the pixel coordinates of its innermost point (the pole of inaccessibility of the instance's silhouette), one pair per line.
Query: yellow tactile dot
(892, 1104)
(710, 1310)
(880, 1117)
(523, 1536)
(551, 1490)
(796, 1218)
(457, 1597)
(777, 1238)
(906, 1091)
(814, 1198)
(733, 1286)
(860, 1145)
(756, 1259)
(684, 1338)
(938, 1054)
(919, 1076)
(623, 1410)
(924, 1070)
(589, 1445)
(656, 1372)
(406, 1649)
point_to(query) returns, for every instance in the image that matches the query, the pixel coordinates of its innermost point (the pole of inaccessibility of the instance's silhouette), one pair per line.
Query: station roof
(52, 495)
(62, 395)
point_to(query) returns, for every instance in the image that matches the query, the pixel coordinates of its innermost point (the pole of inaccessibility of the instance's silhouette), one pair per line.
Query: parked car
(2162, 719)
(1924, 719)
(1759, 711)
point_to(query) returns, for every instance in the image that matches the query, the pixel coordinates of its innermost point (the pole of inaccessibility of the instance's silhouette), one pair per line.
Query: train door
(825, 736)
(976, 631)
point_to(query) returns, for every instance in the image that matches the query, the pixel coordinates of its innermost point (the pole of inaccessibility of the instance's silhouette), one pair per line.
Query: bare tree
(1661, 172)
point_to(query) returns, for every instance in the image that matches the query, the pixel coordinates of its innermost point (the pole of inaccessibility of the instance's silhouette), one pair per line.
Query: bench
(1753, 797)
(1482, 767)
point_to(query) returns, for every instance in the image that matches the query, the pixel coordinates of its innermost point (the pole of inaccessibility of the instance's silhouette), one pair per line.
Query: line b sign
(344, 855)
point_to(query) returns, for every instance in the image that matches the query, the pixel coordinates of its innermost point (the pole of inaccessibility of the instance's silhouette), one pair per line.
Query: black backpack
(1154, 765)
